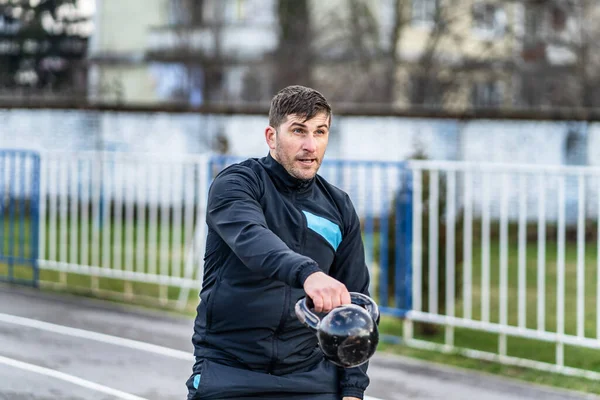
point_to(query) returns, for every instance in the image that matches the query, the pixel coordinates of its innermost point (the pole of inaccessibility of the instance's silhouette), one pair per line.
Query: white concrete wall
(364, 139)
(352, 138)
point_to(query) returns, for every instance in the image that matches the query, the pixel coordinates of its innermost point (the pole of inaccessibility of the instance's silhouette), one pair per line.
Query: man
(277, 232)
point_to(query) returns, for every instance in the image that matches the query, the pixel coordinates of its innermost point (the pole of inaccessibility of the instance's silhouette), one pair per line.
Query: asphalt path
(55, 346)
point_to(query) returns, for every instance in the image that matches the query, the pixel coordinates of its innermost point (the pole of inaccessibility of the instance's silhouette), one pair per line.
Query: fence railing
(123, 216)
(19, 213)
(510, 250)
(504, 250)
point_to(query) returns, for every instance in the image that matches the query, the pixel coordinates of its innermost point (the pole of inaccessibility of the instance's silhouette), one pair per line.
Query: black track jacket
(267, 232)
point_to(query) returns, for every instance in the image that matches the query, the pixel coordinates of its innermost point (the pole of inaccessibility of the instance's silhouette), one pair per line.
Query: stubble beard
(288, 164)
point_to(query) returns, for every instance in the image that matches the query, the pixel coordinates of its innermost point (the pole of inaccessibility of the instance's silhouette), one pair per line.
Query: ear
(271, 137)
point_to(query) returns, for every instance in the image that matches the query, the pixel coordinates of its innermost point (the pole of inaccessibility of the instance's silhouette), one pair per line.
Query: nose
(309, 144)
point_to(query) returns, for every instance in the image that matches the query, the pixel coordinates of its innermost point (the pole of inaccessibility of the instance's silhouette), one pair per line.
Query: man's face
(300, 145)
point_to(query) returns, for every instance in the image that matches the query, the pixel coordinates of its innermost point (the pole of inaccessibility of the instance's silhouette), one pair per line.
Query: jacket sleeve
(349, 267)
(235, 214)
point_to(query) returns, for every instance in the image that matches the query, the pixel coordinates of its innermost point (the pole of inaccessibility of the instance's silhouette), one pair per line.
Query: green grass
(161, 247)
(488, 342)
(162, 252)
(574, 356)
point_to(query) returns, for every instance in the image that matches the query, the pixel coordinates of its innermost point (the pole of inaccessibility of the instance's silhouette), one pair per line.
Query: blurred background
(208, 69)
(465, 131)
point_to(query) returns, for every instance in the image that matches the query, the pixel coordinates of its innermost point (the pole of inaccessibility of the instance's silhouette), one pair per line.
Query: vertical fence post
(11, 216)
(23, 200)
(433, 267)
(368, 227)
(503, 279)
(383, 244)
(560, 274)
(35, 217)
(522, 252)
(485, 250)
(97, 177)
(404, 284)
(3, 196)
(541, 254)
(468, 246)
(417, 212)
(450, 252)
(19, 214)
(581, 194)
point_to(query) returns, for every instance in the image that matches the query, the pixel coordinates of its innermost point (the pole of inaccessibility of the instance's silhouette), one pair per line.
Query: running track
(65, 347)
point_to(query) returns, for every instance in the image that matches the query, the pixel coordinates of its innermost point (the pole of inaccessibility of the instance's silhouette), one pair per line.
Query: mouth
(307, 161)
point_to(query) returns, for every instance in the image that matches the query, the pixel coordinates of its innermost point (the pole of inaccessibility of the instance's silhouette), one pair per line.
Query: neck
(284, 175)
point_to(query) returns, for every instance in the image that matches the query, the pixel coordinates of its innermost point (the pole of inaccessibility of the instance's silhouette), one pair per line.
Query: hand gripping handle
(305, 314)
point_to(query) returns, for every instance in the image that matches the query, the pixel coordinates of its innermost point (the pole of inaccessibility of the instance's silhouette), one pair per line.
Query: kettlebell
(348, 334)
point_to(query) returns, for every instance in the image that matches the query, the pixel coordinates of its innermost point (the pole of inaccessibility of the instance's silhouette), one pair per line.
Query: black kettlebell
(347, 335)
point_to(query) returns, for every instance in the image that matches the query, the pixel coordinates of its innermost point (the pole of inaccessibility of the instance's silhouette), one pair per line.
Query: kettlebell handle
(307, 316)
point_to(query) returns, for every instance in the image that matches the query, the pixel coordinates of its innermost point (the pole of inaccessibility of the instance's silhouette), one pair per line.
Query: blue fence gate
(19, 216)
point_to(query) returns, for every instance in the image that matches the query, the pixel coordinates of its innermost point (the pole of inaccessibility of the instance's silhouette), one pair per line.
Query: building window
(424, 11)
(487, 94)
(489, 20)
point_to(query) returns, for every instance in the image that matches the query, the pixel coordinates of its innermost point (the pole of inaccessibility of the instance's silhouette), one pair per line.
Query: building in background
(560, 54)
(118, 70)
(457, 55)
(421, 54)
(430, 54)
(183, 51)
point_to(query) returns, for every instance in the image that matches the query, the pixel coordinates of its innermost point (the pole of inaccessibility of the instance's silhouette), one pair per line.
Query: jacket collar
(282, 178)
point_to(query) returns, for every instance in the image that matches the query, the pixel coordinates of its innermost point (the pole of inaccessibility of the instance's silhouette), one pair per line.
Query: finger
(318, 303)
(339, 296)
(335, 301)
(345, 297)
(327, 303)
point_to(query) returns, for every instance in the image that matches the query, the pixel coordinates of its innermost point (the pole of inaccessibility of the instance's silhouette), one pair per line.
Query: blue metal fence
(19, 216)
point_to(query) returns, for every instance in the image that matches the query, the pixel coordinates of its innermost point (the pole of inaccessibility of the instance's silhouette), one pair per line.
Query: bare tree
(469, 53)
(561, 44)
(365, 49)
(293, 55)
(350, 54)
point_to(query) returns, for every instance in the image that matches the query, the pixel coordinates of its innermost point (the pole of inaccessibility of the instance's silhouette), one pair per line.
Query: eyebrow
(304, 126)
(298, 123)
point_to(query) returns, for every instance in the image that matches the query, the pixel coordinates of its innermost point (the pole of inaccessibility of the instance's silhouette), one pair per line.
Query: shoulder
(240, 174)
(245, 169)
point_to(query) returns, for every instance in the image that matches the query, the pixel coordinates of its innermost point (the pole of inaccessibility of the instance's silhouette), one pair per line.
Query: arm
(234, 212)
(349, 267)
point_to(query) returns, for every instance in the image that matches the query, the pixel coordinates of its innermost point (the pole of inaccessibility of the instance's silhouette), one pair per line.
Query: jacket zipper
(287, 295)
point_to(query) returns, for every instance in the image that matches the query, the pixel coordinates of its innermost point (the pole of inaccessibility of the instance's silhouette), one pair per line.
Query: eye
(297, 130)
(321, 132)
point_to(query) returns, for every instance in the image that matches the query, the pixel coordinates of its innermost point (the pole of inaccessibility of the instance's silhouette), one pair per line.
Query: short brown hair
(299, 100)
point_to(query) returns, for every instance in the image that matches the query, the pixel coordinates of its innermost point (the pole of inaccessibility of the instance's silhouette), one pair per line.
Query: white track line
(104, 338)
(68, 378)
(99, 337)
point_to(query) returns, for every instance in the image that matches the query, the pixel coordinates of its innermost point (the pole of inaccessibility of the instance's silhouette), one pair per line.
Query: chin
(305, 175)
